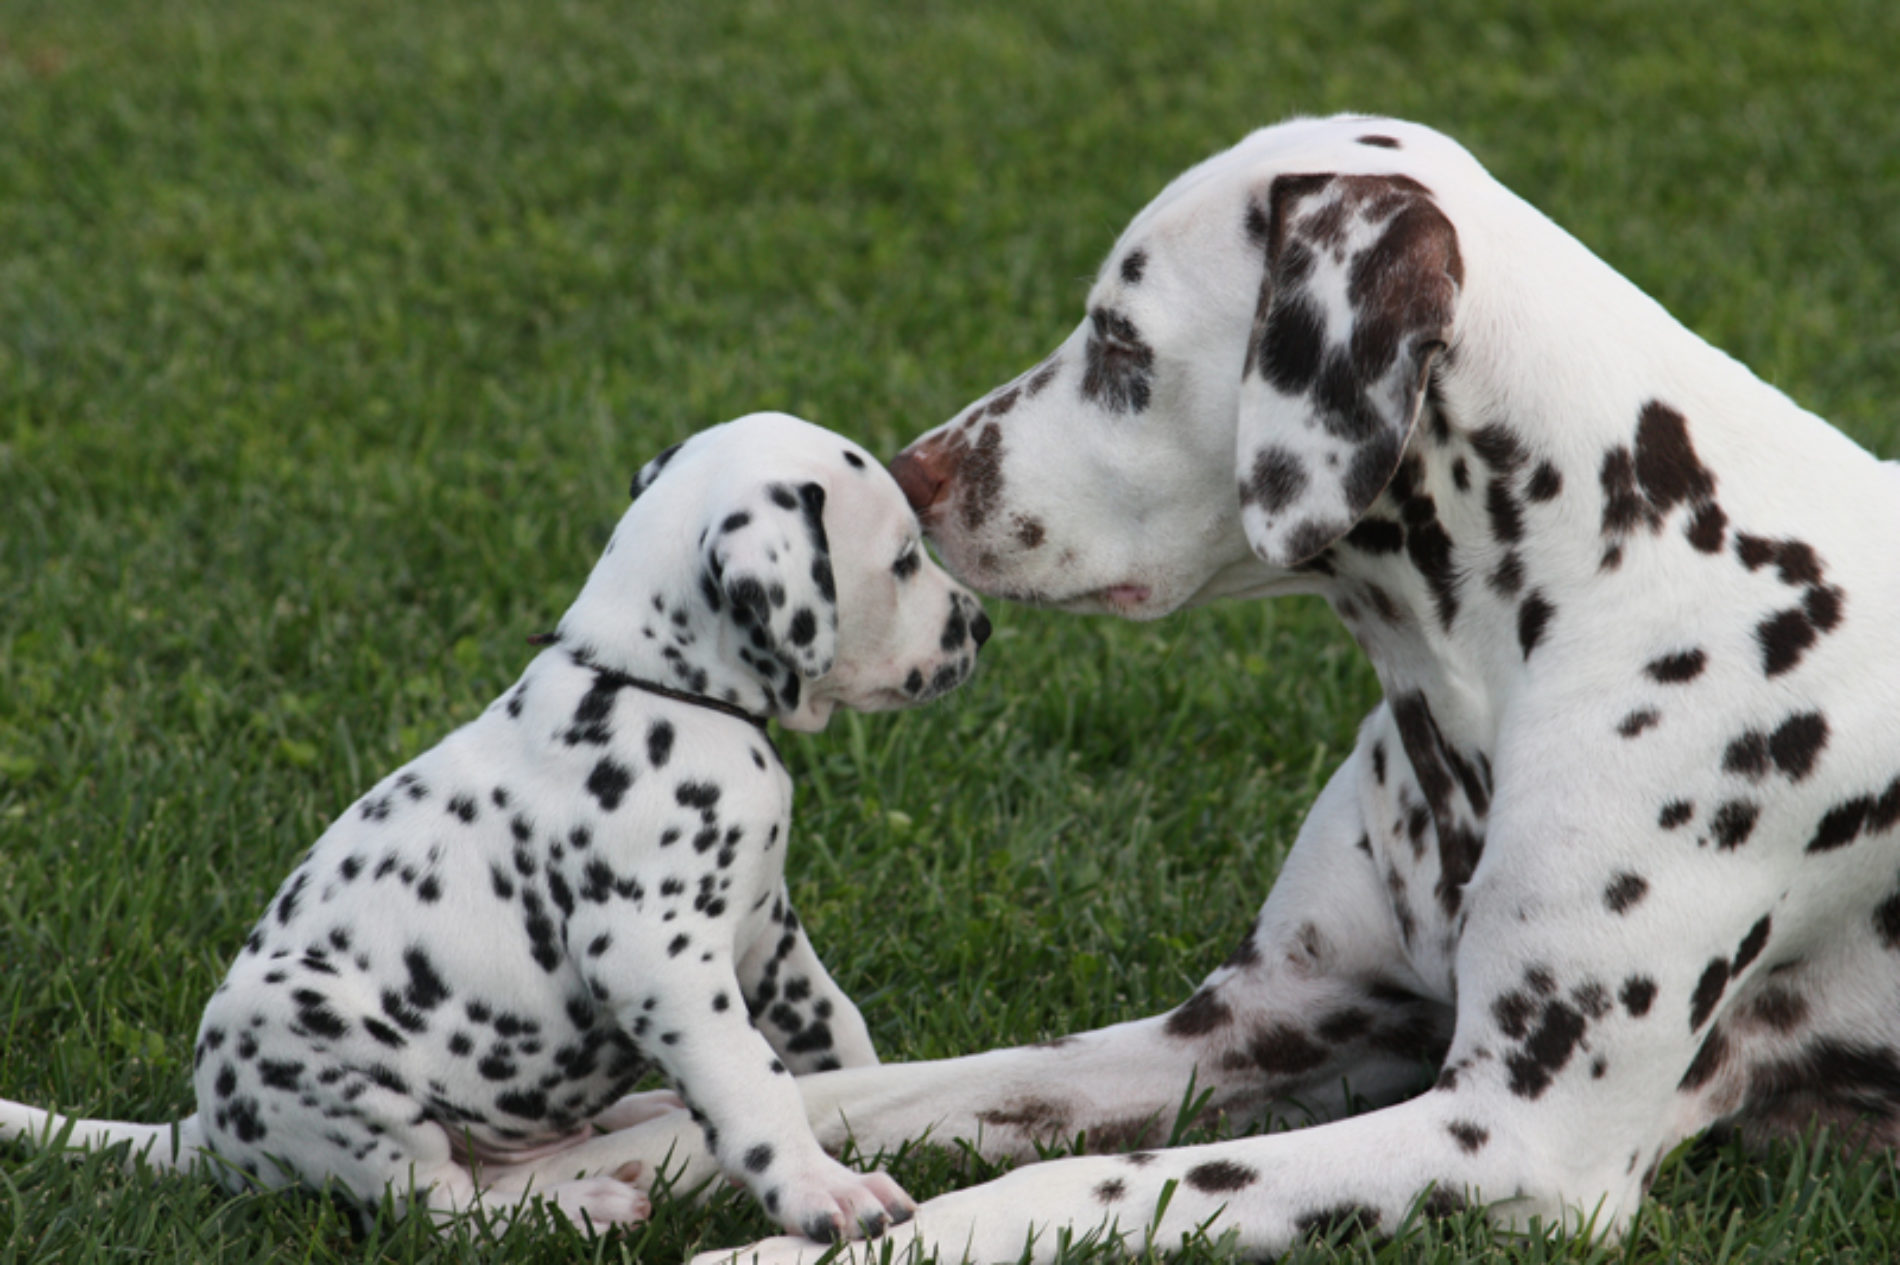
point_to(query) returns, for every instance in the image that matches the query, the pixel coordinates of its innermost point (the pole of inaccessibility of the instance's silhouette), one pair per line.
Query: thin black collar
(620, 678)
(681, 696)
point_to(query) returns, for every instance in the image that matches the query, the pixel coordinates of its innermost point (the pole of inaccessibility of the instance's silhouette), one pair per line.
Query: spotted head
(1250, 368)
(773, 564)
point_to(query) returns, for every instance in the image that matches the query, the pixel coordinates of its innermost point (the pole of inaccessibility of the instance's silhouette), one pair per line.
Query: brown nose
(923, 472)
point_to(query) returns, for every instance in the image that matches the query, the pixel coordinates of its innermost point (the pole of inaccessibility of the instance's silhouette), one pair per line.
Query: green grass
(330, 333)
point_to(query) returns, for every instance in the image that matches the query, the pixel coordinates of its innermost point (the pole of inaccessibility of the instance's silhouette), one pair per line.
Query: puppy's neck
(641, 615)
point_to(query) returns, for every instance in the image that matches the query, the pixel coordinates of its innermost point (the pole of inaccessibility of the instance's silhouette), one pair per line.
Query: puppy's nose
(923, 472)
(980, 629)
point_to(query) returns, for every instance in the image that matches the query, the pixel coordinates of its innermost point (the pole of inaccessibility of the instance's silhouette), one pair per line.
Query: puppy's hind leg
(365, 1132)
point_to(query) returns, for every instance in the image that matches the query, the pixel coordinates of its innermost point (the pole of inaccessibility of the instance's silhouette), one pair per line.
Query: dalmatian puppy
(1616, 860)
(451, 995)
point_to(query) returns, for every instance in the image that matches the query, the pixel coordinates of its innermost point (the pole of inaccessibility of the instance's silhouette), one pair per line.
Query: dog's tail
(166, 1147)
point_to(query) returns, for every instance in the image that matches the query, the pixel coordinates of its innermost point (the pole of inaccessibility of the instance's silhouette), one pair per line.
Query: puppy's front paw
(599, 1202)
(826, 1202)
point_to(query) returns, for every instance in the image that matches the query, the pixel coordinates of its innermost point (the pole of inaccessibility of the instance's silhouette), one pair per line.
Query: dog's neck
(1445, 581)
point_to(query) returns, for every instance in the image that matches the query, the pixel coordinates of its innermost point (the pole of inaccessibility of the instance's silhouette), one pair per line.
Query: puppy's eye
(908, 560)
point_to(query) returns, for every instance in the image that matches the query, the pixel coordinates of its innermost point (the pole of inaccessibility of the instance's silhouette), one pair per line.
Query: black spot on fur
(1637, 721)
(1708, 991)
(1507, 517)
(1277, 480)
(1119, 364)
(1797, 742)
(1706, 529)
(1216, 1177)
(1498, 447)
(425, 989)
(1338, 1221)
(1545, 483)
(1470, 1137)
(1841, 824)
(1733, 822)
(1625, 891)
(1784, 638)
(608, 782)
(1751, 946)
(659, 743)
(1665, 461)
(1292, 344)
(1533, 617)
(1637, 994)
(1707, 1062)
(1673, 669)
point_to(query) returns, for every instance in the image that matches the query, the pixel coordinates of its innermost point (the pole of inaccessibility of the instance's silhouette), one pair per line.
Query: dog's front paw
(827, 1202)
(598, 1202)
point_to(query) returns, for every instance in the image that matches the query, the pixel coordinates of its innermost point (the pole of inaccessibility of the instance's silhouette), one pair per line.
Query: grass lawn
(330, 333)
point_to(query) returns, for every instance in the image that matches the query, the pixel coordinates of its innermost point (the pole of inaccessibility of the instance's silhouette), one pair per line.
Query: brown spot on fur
(1282, 1050)
(1666, 463)
(1779, 1008)
(980, 473)
(1199, 1015)
(1038, 1116)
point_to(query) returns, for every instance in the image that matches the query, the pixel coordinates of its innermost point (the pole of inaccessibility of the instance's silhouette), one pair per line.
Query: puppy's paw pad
(600, 1202)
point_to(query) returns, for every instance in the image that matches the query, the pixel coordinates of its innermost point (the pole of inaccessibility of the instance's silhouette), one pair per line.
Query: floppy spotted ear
(768, 567)
(1359, 292)
(651, 471)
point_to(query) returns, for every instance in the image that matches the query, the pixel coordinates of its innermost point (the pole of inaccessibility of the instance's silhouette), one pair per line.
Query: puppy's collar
(681, 696)
(620, 678)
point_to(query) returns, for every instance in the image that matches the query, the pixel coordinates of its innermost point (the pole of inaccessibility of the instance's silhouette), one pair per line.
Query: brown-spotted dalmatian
(452, 994)
(1618, 857)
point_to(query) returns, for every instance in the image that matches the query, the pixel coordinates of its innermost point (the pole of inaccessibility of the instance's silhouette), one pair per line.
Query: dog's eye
(908, 560)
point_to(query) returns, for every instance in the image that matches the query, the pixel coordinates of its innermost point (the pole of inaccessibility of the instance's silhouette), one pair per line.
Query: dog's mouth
(1123, 599)
(1130, 601)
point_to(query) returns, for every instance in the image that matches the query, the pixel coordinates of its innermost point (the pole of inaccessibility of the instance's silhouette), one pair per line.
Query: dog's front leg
(1315, 1002)
(808, 1019)
(691, 1019)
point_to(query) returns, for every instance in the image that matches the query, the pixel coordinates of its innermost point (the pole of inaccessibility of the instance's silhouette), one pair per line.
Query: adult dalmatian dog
(1618, 856)
(451, 995)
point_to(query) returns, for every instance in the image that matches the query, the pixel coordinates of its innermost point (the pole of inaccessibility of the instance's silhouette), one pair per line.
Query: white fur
(1617, 857)
(449, 997)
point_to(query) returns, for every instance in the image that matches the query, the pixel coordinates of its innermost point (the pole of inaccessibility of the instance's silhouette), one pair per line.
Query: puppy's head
(1248, 374)
(780, 553)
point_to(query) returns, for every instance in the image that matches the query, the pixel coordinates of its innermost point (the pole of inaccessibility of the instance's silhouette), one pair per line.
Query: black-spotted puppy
(454, 991)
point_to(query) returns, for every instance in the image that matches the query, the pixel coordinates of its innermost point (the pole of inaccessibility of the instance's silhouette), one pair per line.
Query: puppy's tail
(166, 1147)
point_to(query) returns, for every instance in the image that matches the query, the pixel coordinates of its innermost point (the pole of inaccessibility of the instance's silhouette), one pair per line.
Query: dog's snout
(980, 629)
(923, 472)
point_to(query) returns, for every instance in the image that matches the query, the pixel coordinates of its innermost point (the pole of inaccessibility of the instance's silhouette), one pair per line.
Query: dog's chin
(810, 716)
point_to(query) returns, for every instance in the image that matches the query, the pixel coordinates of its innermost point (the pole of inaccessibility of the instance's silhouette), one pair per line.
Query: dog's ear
(651, 471)
(1360, 287)
(768, 569)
